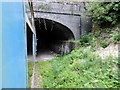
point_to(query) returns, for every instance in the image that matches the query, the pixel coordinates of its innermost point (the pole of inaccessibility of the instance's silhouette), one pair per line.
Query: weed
(105, 12)
(116, 37)
(30, 72)
(85, 40)
(104, 44)
(80, 69)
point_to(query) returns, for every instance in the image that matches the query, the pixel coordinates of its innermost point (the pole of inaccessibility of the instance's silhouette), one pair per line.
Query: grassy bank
(80, 69)
(83, 68)
(30, 72)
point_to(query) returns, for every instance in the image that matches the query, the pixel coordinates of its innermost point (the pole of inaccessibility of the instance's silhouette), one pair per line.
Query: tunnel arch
(51, 34)
(51, 24)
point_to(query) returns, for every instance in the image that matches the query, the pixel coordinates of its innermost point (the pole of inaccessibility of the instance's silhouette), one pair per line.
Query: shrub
(85, 40)
(88, 39)
(116, 37)
(80, 69)
(30, 72)
(104, 44)
(104, 12)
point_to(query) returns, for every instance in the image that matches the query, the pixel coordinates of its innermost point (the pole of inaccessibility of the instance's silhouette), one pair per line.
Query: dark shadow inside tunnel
(29, 42)
(51, 35)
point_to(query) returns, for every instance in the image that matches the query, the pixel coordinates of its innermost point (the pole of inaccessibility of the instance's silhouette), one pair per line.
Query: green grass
(104, 44)
(116, 37)
(71, 0)
(80, 69)
(30, 72)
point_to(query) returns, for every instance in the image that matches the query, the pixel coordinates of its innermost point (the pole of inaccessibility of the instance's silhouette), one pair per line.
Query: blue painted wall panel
(14, 46)
(0, 45)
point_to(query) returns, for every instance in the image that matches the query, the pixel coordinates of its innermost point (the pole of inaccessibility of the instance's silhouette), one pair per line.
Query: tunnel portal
(53, 36)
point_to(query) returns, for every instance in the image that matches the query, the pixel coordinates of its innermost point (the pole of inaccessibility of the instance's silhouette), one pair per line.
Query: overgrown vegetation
(104, 44)
(105, 12)
(80, 69)
(116, 37)
(30, 72)
(101, 37)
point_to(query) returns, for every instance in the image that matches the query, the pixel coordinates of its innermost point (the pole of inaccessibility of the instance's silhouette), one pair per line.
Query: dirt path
(36, 78)
(43, 55)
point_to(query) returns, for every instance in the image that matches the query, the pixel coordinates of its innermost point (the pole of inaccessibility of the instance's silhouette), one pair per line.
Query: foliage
(74, 41)
(105, 12)
(80, 69)
(85, 40)
(88, 39)
(30, 72)
(116, 37)
(104, 44)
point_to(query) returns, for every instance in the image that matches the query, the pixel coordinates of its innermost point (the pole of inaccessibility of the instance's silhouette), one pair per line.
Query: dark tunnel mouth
(29, 41)
(50, 34)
